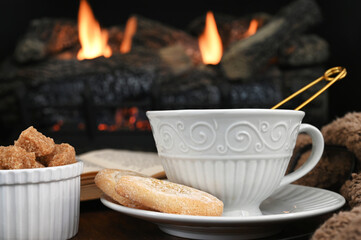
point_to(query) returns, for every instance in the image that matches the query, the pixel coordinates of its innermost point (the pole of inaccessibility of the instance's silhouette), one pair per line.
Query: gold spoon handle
(341, 73)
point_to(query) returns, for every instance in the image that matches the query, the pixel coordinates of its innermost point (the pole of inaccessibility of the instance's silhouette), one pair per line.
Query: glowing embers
(121, 119)
(124, 119)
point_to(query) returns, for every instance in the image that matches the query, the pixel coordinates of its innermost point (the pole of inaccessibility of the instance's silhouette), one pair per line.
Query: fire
(93, 40)
(210, 42)
(126, 118)
(252, 29)
(130, 29)
(57, 126)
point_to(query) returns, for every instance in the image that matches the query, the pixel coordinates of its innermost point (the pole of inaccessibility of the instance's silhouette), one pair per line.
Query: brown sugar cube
(33, 141)
(13, 157)
(63, 154)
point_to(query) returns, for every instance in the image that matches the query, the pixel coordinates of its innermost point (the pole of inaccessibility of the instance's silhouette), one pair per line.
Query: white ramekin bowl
(40, 203)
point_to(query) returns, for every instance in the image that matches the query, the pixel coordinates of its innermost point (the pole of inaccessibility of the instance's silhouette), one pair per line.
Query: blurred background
(341, 27)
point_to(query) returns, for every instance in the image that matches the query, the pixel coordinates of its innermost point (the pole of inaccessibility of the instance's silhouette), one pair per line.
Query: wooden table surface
(99, 222)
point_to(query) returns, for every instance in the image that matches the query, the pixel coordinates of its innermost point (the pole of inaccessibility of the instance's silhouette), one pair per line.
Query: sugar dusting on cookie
(169, 197)
(178, 189)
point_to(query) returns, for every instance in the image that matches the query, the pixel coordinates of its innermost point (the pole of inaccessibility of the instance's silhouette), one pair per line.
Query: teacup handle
(317, 150)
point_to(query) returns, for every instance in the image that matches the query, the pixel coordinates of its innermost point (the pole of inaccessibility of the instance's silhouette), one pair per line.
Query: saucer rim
(154, 216)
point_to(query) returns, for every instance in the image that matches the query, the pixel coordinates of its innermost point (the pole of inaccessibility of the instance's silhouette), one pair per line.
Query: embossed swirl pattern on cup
(238, 137)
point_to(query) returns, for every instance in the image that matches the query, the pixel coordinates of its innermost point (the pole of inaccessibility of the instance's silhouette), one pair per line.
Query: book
(147, 163)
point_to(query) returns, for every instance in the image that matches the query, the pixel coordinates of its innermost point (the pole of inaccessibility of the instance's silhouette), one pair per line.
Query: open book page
(144, 162)
(90, 167)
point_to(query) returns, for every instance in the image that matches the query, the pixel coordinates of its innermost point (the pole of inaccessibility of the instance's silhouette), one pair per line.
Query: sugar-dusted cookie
(106, 180)
(33, 141)
(169, 197)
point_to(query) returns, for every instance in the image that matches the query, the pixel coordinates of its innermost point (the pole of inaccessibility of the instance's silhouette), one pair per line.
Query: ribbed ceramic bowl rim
(37, 175)
(199, 112)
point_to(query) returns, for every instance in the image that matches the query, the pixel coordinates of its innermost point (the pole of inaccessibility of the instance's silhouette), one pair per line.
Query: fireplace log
(304, 50)
(138, 59)
(155, 35)
(56, 38)
(49, 37)
(244, 58)
(120, 79)
(45, 37)
(176, 58)
(265, 91)
(59, 82)
(195, 88)
(205, 87)
(56, 89)
(166, 61)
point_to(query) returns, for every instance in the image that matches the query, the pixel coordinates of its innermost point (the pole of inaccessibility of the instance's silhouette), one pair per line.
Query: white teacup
(238, 155)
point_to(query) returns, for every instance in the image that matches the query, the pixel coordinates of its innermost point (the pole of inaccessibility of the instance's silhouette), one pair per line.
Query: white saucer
(290, 202)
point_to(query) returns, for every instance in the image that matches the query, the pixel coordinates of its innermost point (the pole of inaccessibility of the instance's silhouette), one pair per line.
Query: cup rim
(39, 175)
(225, 111)
(4, 171)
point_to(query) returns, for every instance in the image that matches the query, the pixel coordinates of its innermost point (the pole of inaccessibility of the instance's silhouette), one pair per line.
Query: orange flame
(92, 39)
(130, 29)
(210, 42)
(252, 29)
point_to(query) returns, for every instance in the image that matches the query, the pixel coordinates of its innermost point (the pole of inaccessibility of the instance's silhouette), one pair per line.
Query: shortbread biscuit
(63, 154)
(33, 141)
(13, 157)
(106, 180)
(169, 197)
